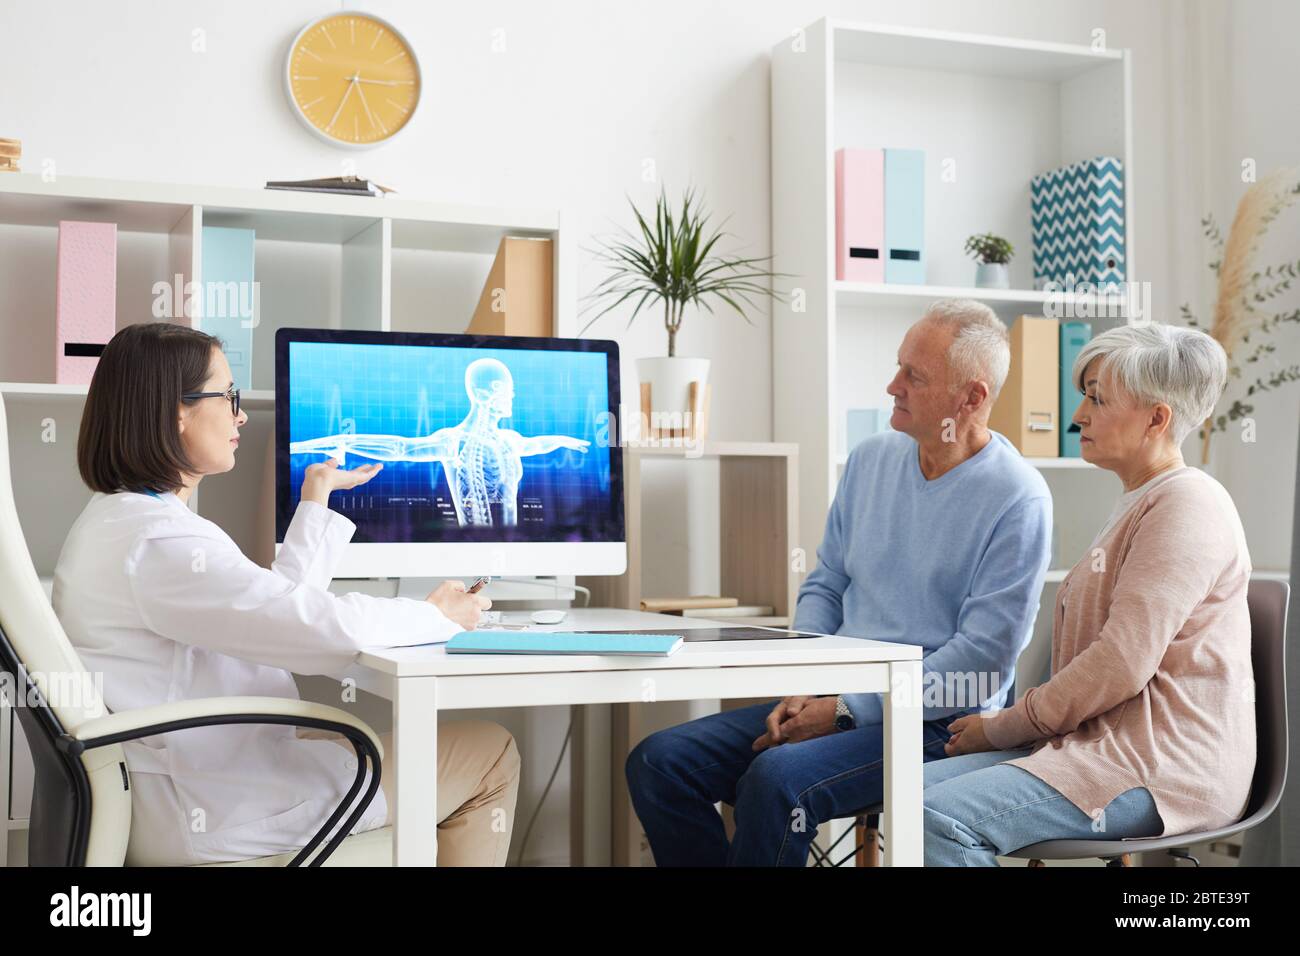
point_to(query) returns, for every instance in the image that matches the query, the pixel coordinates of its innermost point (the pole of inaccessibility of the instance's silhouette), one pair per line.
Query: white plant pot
(992, 275)
(670, 382)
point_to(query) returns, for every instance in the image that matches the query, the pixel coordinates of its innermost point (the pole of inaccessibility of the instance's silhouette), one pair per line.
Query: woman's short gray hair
(980, 348)
(1153, 362)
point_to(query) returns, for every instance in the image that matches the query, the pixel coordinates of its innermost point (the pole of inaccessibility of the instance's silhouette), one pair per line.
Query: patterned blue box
(1078, 224)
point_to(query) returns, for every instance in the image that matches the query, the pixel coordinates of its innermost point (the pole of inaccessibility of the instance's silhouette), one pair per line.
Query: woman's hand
(451, 598)
(967, 736)
(326, 476)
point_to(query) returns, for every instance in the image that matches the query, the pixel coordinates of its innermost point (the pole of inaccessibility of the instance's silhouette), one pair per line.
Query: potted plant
(673, 259)
(992, 253)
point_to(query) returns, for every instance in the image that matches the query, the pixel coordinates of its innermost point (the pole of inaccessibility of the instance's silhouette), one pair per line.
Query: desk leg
(415, 756)
(626, 732)
(904, 839)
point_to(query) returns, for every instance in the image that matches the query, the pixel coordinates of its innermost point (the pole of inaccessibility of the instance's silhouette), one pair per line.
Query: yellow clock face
(353, 79)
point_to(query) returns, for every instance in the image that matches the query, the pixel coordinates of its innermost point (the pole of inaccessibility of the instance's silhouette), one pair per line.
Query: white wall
(1252, 105)
(585, 95)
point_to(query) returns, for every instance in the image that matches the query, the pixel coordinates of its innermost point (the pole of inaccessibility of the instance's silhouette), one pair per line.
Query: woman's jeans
(781, 795)
(978, 808)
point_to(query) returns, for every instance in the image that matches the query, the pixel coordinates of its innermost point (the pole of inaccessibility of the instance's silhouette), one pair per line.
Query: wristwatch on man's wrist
(843, 719)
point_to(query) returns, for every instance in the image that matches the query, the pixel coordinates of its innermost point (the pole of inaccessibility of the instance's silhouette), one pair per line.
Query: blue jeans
(978, 808)
(781, 795)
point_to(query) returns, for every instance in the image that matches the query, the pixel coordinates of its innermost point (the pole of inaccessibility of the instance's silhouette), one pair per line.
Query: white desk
(421, 681)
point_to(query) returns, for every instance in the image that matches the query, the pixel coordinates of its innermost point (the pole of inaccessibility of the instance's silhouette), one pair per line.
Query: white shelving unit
(320, 260)
(990, 114)
(859, 295)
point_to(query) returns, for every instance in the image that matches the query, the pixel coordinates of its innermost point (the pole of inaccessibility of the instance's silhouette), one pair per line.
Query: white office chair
(81, 811)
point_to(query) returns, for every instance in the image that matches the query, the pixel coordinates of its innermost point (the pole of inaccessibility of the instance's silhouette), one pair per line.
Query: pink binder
(859, 215)
(85, 302)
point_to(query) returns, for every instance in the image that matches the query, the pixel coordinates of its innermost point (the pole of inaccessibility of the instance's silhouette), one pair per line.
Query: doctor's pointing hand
(450, 597)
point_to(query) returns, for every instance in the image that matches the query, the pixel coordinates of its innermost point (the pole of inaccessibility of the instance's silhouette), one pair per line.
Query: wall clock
(352, 79)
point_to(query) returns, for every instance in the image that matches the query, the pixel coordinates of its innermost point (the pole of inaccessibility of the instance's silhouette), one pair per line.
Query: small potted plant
(671, 259)
(992, 253)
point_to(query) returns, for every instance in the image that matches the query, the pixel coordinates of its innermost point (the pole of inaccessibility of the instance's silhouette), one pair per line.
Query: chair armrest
(217, 711)
(208, 711)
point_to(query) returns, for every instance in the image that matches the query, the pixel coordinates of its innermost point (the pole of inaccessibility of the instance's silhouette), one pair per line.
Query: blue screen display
(477, 444)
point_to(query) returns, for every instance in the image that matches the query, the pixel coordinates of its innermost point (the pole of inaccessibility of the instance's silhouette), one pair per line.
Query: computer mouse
(548, 616)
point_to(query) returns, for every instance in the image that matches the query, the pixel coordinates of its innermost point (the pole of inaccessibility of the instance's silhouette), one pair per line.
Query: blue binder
(563, 642)
(905, 216)
(1074, 336)
(227, 296)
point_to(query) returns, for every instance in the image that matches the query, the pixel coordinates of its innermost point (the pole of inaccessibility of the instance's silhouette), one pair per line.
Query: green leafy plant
(990, 249)
(672, 260)
(1247, 306)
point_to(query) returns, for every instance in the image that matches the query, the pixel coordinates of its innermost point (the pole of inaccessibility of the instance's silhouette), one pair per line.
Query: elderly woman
(1147, 724)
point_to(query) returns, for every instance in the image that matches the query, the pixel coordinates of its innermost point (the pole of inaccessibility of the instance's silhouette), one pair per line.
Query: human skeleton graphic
(482, 461)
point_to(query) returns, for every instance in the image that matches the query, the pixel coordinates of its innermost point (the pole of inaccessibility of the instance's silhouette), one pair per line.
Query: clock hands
(361, 93)
(351, 83)
(355, 81)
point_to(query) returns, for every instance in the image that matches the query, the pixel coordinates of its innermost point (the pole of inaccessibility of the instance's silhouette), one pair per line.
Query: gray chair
(81, 808)
(1268, 609)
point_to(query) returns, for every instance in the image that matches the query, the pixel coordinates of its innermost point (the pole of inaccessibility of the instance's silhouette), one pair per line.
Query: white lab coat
(166, 607)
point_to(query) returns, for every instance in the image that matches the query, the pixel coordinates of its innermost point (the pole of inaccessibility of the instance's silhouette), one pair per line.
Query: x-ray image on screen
(478, 444)
(481, 461)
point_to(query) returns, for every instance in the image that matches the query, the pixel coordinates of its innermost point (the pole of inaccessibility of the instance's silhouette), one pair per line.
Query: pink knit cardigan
(1151, 681)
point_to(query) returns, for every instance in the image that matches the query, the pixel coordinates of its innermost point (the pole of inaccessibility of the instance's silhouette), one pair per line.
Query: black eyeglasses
(231, 394)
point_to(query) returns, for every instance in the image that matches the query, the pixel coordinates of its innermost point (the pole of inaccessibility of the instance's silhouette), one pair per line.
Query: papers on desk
(564, 642)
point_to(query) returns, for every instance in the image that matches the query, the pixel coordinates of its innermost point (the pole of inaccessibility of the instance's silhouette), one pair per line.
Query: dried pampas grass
(1233, 313)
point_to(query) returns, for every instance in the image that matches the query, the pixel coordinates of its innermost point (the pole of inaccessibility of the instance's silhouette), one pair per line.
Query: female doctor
(166, 607)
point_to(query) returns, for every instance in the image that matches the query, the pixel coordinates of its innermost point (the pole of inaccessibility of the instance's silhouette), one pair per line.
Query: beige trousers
(478, 783)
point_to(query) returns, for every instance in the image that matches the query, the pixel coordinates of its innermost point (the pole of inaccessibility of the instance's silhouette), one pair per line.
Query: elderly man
(938, 536)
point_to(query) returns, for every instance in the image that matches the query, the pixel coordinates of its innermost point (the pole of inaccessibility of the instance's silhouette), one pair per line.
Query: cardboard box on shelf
(1027, 410)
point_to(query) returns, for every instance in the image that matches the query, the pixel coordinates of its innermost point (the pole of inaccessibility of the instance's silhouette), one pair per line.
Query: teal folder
(228, 298)
(1074, 336)
(563, 642)
(905, 216)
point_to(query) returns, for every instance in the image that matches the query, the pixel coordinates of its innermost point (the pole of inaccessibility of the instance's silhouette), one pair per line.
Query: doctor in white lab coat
(165, 606)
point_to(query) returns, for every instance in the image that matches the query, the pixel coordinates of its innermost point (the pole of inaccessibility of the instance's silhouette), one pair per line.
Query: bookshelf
(758, 523)
(990, 113)
(329, 261)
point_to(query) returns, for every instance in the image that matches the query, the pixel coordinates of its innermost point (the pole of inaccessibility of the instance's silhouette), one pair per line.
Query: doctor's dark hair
(130, 438)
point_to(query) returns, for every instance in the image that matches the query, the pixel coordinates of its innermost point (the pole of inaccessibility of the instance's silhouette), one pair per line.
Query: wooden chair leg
(868, 836)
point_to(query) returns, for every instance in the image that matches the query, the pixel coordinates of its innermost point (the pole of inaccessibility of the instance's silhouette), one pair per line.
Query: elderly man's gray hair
(980, 348)
(1152, 362)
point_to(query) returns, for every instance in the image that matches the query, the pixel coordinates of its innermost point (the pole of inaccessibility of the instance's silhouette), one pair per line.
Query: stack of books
(11, 150)
(341, 185)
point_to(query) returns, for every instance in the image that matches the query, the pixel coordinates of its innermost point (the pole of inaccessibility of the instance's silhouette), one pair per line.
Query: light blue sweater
(955, 565)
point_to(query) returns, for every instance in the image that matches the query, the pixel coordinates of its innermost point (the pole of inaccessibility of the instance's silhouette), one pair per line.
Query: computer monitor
(500, 453)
